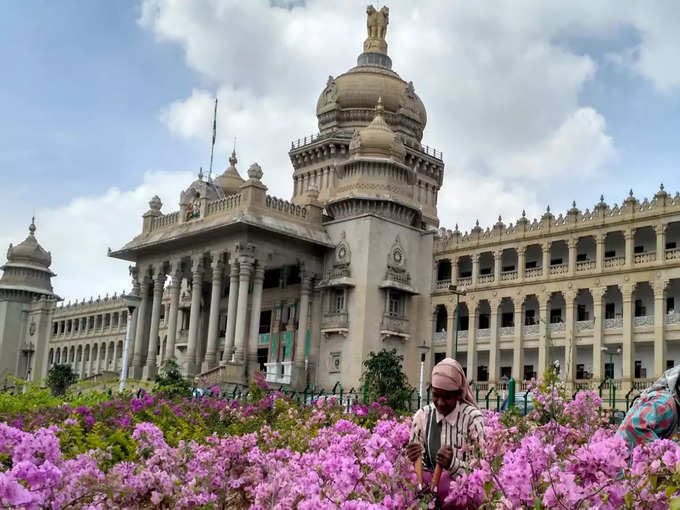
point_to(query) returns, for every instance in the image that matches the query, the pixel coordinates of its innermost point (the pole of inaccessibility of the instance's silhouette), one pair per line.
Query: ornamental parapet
(602, 217)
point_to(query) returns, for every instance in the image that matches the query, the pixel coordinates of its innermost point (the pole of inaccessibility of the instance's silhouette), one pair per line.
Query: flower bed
(272, 453)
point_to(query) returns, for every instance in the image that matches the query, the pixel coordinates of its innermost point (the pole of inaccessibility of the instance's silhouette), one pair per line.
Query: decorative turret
(27, 269)
(230, 181)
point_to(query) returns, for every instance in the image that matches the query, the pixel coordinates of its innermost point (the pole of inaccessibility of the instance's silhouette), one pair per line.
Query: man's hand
(445, 456)
(414, 451)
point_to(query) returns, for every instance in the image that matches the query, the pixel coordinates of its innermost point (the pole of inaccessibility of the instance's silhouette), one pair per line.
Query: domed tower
(378, 185)
(348, 103)
(27, 303)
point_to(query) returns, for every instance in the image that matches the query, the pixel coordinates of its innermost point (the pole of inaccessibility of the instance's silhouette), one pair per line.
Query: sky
(105, 104)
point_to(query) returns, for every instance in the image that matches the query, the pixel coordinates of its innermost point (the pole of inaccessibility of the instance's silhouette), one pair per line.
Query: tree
(383, 376)
(170, 381)
(60, 377)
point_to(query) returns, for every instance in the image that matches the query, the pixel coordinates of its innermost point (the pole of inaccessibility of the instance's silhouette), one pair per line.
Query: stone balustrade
(465, 281)
(559, 269)
(441, 285)
(672, 318)
(485, 278)
(585, 265)
(483, 333)
(221, 205)
(610, 262)
(645, 258)
(533, 272)
(508, 275)
(643, 320)
(439, 336)
(531, 330)
(507, 331)
(615, 323)
(673, 254)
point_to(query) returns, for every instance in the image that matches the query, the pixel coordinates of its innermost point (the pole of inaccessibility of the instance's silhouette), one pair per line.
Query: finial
(499, 218)
(524, 213)
(477, 223)
(573, 203)
(547, 209)
(601, 198)
(661, 187)
(379, 108)
(255, 172)
(232, 159)
(456, 227)
(630, 193)
(200, 173)
(31, 227)
(155, 203)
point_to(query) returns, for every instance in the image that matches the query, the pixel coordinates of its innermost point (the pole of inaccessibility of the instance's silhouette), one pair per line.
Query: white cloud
(79, 233)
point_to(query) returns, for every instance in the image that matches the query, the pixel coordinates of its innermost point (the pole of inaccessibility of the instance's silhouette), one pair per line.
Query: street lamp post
(131, 301)
(453, 289)
(423, 348)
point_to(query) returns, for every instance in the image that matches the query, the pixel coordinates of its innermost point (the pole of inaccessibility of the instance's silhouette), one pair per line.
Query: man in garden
(655, 414)
(445, 432)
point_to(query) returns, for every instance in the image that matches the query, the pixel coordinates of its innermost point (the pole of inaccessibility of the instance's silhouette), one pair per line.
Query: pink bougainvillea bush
(268, 452)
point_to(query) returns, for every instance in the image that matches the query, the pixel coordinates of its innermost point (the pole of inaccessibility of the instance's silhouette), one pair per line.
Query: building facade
(236, 280)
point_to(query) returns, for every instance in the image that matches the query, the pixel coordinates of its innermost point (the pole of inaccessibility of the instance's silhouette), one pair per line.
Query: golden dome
(230, 181)
(377, 139)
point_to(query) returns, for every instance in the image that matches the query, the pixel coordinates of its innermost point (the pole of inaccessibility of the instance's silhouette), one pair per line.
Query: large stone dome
(348, 101)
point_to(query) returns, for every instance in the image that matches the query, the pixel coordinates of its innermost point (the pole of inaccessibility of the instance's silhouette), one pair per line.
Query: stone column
(546, 258)
(569, 338)
(174, 289)
(543, 325)
(299, 379)
(136, 291)
(315, 332)
(599, 251)
(518, 347)
(521, 262)
(629, 236)
(231, 312)
(454, 270)
(660, 230)
(475, 268)
(627, 290)
(194, 314)
(246, 265)
(255, 308)
(598, 331)
(571, 244)
(115, 357)
(210, 359)
(493, 340)
(497, 259)
(451, 329)
(659, 332)
(141, 334)
(158, 284)
(91, 369)
(106, 357)
(472, 341)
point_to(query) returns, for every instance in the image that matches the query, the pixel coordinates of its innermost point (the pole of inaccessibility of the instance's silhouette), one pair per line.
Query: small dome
(377, 139)
(230, 181)
(29, 251)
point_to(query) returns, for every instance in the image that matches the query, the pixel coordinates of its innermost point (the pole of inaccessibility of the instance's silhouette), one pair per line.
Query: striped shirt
(462, 429)
(654, 416)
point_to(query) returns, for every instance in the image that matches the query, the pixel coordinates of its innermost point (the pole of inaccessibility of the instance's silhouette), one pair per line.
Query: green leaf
(488, 487)
(654, 480)
(675, 504)
(670, 490)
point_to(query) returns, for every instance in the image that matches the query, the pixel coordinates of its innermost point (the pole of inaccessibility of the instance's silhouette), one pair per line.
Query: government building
(234, 280)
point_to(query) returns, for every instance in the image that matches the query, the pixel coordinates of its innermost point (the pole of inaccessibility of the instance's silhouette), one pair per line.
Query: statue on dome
(376, 24)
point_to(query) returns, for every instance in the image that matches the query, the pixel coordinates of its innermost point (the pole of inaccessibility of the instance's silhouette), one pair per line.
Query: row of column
(628, 234)
(598, 293)
(241, 337)
(94, 366)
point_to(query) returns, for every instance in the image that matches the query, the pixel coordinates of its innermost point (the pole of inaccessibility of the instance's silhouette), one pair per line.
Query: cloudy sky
(104, 104)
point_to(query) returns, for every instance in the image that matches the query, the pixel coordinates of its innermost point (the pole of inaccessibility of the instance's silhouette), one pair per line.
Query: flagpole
(212, 149)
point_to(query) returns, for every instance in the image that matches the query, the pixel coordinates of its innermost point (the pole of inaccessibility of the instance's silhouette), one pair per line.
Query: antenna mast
(212, 148)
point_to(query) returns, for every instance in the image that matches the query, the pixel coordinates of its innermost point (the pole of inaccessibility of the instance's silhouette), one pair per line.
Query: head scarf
(448, 375)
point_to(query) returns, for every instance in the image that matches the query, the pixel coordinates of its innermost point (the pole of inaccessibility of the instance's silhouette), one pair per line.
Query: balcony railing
(673, 254)
(614, 262)
(558, 269)
(615, 323)
(483, 333)
(531, 330)
(584, 325)
(507, 331)
(485, 278)
(556, 326)
(643, 320)
(508, 275)
(335, 321)
(463, 333)
(672, 318)
(465, 281)
(642, 383)
(533, 272)
(439, 336)
(441, 285)
(645, 258)
(394, 324)
(585, 265)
